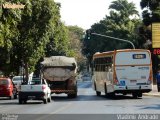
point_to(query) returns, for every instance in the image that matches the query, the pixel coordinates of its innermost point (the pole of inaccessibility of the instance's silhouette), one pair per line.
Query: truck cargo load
(60, 73)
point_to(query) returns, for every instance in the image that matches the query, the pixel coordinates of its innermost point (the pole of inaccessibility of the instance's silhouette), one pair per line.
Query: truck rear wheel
(20, 101)
(11, 97)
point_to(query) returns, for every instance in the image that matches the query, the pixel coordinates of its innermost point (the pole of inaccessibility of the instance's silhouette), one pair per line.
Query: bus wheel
(135, 95)
(98, 93)
(105, 89)
(124, 94)
(139, 95)
(112, 94)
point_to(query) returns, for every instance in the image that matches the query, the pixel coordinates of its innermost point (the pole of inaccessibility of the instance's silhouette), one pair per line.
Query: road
(86, 103)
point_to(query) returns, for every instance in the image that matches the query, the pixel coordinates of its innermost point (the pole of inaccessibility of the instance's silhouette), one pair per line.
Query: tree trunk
(26, 72)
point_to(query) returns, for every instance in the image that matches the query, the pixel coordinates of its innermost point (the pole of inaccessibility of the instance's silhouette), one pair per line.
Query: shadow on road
(91, 98)
(15, 102)
(153, 107)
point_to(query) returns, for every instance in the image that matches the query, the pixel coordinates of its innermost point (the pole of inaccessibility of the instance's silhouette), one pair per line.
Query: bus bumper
(130, 89)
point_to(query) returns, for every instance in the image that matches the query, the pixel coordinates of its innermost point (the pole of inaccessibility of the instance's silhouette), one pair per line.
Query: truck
(60, 73)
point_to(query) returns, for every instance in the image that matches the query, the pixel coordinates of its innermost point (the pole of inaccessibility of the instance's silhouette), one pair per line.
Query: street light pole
(114, 38)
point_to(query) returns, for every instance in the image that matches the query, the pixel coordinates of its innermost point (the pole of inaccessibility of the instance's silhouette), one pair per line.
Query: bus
(127, 71)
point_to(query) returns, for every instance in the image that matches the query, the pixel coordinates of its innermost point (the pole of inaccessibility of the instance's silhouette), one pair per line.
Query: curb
(150, 94)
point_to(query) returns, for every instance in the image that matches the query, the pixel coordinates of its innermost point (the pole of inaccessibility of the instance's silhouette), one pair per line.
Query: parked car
(7, 88)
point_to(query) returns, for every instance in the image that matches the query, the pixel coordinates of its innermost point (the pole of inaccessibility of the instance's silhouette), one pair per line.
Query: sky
(85, 13)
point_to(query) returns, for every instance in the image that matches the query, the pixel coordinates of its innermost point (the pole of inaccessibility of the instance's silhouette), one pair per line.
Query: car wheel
(11, 97)
(45, 100)
(15, 96)
(49, 98)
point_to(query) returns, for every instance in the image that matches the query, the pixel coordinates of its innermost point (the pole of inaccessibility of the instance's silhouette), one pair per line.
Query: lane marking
(52, 113)
(65, 107)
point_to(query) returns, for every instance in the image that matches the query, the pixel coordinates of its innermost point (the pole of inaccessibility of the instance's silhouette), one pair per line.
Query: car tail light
(43, 87)
(8, 87)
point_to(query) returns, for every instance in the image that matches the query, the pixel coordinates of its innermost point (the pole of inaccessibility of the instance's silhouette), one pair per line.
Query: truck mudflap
(70, 93)
(63, 91)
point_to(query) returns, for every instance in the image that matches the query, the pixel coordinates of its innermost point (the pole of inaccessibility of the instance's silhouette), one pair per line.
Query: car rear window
(35, 81)
(4, 82)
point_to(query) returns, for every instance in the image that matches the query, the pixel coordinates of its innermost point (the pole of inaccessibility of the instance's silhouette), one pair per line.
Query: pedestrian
(158, 80)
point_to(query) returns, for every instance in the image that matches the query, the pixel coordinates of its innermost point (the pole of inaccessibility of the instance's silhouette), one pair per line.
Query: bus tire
(98, 93)
(105, 89)
(95, 86)
(139, 95)
(135, 95)
(112, 94)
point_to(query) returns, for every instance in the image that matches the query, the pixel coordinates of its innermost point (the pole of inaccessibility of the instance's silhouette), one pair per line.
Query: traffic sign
(155, 35)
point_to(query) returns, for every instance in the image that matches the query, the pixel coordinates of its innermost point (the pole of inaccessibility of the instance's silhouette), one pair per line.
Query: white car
(37, 89)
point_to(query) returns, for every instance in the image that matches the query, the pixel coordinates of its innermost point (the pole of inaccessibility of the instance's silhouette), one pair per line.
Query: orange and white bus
(122, 71)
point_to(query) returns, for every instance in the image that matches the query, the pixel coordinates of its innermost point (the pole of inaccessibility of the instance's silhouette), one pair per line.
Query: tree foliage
(75, 37)
(151, 14)
(121, 23)
(29, 34)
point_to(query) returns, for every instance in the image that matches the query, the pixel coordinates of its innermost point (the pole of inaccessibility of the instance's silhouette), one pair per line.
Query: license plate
(133, 81)
(31, 97)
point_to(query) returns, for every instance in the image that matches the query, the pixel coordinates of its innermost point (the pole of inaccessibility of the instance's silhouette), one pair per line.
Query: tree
(75, 37)
(59, 42)
(150, 15)
(118, 24)
(8, 33)
(27, 32)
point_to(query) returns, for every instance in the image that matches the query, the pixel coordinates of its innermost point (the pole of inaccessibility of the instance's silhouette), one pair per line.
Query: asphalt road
(87, 103)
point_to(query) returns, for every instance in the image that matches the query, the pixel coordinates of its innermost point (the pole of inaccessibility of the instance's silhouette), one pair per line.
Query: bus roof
(98, 54)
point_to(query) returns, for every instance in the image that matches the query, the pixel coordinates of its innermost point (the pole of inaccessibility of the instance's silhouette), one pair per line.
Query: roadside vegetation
(27, 35)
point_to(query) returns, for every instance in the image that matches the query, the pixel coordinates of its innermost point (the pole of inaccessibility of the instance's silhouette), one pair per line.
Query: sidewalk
(154, 92)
